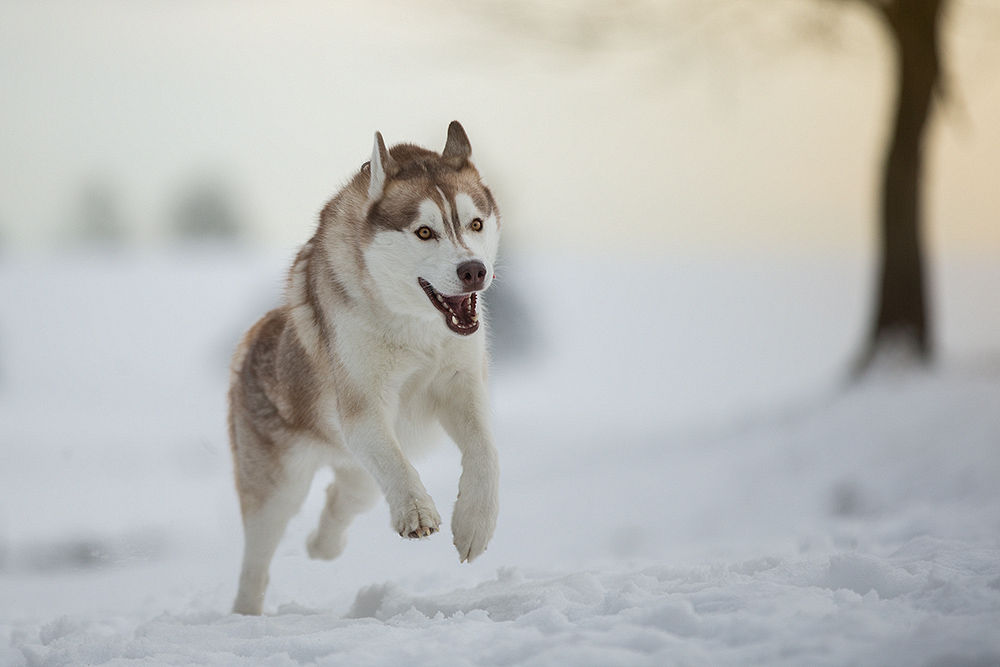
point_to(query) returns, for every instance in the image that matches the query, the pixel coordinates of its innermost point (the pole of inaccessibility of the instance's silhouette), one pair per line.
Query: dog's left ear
(380, 166)
(457, 150)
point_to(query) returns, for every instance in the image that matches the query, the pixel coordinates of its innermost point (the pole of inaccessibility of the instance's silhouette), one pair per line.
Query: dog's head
(435, 229)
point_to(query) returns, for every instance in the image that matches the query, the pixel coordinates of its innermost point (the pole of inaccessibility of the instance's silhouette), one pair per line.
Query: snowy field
(687, 479)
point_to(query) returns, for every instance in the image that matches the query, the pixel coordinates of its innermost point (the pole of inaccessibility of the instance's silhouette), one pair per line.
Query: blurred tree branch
(901, 315)
(900, 320)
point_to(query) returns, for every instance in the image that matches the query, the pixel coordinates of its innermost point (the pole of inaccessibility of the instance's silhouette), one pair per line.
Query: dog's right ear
(457, 150)
(381, 163)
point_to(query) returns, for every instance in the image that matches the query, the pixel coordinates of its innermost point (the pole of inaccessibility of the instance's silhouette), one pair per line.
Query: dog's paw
(416, 518)
(472, 527)
(325, 546)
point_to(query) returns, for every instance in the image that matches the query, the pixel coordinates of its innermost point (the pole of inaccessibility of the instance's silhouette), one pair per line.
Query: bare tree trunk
(901, 321)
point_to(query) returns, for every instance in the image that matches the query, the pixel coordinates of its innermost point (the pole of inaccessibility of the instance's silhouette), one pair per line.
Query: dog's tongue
(457, 303)
(459, 311)
(461, 316)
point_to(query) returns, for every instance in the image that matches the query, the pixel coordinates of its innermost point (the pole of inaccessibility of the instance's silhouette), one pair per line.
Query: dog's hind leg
(263, 528)
(352, 492)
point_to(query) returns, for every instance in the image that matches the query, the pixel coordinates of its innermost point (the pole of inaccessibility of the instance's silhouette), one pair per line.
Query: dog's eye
(476, 225)
(425, 233)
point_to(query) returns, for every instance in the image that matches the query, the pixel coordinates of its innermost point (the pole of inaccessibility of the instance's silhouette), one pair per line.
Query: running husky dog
(379, 344)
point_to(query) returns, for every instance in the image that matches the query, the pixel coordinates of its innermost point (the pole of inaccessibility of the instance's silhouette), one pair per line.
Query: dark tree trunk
(901, 321)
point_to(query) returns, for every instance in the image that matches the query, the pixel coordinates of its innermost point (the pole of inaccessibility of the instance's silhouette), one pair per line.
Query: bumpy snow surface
(685, 481)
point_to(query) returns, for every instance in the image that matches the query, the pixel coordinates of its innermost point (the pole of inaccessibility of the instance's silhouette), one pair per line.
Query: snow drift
(697, 491)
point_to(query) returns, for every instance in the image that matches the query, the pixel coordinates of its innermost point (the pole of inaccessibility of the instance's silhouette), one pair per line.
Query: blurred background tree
(900, 325)
(206, 211)
(901, 320)
(512, 333)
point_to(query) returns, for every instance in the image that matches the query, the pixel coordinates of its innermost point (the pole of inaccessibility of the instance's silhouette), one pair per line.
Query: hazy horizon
(625, 146)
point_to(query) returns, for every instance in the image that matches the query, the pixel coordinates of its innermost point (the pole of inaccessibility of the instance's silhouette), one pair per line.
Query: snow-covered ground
(687, 480)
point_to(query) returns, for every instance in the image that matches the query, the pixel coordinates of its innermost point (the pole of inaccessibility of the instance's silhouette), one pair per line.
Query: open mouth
(459, 311)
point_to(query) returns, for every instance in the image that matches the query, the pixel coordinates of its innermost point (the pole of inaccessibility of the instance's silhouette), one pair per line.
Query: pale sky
(616, 148)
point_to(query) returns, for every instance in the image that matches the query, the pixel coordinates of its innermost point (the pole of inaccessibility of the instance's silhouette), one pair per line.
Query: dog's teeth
(454, 320)
(439, 297)
(475, 317)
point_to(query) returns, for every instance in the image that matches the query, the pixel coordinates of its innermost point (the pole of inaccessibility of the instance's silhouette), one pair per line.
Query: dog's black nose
(472, 274)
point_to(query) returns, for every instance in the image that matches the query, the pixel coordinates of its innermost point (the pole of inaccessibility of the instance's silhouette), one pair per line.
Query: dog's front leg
(371, 440)
(465, 415)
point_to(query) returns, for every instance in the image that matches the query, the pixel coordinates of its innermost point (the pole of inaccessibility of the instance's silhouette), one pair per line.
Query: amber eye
(476, 225)
(425, 233)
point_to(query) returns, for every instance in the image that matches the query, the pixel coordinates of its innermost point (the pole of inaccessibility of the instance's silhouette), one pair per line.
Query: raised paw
(417, 518)
(325, 546)
(472, 526)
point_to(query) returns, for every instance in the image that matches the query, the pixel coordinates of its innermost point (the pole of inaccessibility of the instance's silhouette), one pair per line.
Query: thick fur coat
(378, 347)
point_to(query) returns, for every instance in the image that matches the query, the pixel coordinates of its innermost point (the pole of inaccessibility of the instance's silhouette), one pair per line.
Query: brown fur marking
(274, 393)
